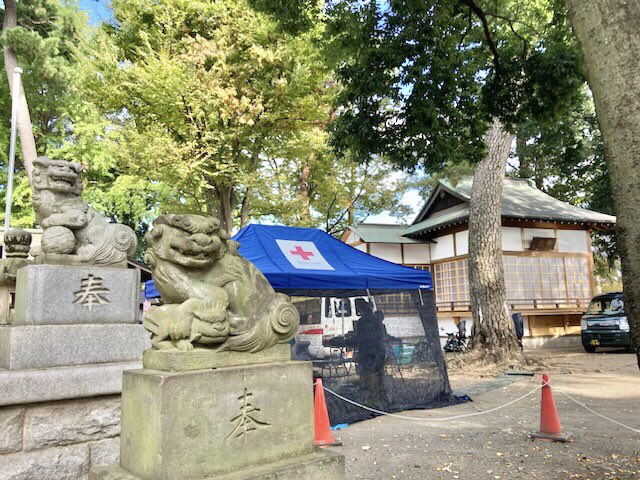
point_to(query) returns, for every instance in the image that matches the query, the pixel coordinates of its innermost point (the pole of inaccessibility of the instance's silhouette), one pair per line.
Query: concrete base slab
(25, 347)
(200, 424)
(63, 295)
(563, 341)
(206, 358)
(33, 386)
(320, 465)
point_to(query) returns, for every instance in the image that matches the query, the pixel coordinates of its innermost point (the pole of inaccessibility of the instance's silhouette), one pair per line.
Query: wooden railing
(522, 304)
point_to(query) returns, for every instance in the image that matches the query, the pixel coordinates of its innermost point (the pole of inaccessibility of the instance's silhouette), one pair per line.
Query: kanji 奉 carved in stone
(74, 234)
(214, 297)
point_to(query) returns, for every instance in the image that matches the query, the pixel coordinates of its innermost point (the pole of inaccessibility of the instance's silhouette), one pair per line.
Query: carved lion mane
(213, 295)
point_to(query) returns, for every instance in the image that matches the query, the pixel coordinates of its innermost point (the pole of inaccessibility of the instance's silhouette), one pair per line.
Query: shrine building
(546, 254)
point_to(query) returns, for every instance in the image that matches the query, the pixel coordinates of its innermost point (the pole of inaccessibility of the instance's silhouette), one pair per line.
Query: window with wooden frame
(452, 282)
(395, 304)
(546, 281)
(578, 279)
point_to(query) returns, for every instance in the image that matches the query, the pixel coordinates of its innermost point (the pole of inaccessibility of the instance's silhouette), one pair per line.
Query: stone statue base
(320, 465)
(240, 422)
(207, 358)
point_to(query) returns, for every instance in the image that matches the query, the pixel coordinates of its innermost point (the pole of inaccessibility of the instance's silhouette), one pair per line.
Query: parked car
(605, 323)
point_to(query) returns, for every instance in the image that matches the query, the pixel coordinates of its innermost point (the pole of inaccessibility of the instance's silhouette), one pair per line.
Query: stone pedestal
(72, 334)
(64, 295)
(240, 422)
(43, 346)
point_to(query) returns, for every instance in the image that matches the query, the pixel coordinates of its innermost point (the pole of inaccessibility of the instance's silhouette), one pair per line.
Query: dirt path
(496, 446)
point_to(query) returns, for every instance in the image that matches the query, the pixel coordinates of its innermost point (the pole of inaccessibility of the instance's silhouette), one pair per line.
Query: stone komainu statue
(214, 297)
(73, 232)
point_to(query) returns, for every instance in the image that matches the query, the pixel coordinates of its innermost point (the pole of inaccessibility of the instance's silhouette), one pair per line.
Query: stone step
(33, 386)
(25, 347)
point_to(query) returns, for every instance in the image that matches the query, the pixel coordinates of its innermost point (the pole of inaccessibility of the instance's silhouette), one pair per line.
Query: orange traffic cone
(321, 426)
(550, 428)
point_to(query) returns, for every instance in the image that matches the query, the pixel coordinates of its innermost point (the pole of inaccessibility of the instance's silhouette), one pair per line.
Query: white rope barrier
(433, 419)
(599, 414)
(475, 414)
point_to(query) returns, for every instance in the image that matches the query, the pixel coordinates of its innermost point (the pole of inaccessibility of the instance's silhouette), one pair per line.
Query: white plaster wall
(573, 241)
(525, 322)
(447, 325)
(351, 238)
(511, 239)
(529, 233)
(462, 243)
(416, 253)
(362, 247)
(443, 248)
(387, 251)
(404, 327)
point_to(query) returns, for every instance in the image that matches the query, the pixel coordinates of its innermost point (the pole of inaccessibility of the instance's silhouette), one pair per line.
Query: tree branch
(473, 6)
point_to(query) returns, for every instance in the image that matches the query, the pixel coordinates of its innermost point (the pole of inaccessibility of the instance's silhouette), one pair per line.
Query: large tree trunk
(305, 194)
(610, 39)
(494, 336)
(244, 208)
(25, 131)
(226, 205)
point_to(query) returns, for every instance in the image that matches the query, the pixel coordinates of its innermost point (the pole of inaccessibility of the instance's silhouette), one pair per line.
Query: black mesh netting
(380, 350)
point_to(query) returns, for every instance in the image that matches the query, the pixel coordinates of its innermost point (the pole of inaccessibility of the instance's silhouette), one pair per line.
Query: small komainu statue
(17, 243)
(214, 297)
(73, 232)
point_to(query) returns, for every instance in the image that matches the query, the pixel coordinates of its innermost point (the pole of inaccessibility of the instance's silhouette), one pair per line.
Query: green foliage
(422, 78)
(213, 108)
(48, 40)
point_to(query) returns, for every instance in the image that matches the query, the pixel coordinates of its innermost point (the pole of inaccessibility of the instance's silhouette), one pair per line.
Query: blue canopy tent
(302, 261)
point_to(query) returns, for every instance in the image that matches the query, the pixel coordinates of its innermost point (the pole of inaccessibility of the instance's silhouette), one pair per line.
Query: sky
(99, 11)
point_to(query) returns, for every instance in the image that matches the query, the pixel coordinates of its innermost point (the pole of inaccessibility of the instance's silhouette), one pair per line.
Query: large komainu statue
(73, 232)
(215, 298)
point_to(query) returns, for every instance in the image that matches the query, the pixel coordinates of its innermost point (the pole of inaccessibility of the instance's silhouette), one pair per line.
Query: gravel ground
(497, 446)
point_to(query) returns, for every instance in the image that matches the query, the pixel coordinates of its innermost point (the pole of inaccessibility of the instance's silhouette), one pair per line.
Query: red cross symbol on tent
(299, 251)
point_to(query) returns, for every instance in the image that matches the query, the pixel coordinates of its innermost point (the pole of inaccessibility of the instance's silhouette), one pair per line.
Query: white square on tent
(303, 255)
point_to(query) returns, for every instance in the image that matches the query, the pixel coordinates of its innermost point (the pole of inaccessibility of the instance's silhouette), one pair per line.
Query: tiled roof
(376, 233)
(520, 201)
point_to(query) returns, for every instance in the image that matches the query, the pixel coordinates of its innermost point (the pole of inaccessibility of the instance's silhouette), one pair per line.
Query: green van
(605, 323)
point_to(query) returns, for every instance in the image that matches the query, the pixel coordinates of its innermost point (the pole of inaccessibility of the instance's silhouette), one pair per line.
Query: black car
(605, 323)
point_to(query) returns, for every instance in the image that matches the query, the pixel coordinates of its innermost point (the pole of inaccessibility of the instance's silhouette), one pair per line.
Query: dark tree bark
(494, 337)
(226, 206)
(244, 208)
(25, 131)
(609, 35)
(305, 193)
